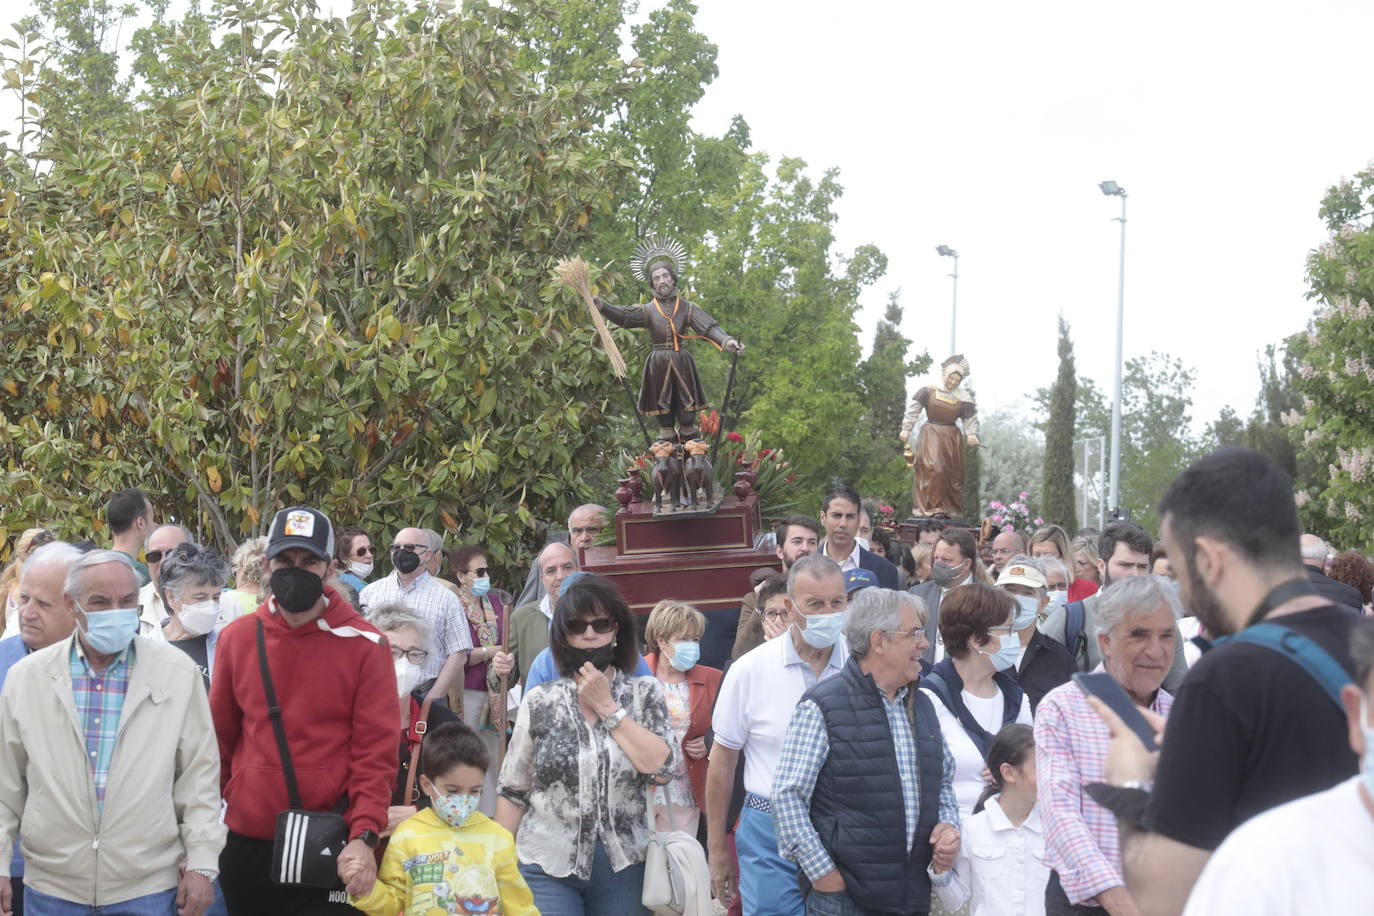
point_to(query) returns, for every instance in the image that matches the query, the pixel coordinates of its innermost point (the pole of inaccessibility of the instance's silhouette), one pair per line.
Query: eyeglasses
(414, 656)
(155, 556)
(602, 625)
(480, 572)
(41, 538)
(915, 633)
(588, 529)
(775, 616)
(413, 548)
(364, 551)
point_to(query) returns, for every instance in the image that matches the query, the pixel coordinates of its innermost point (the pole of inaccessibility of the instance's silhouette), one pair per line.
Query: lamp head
(1112, 189)
(945, 251)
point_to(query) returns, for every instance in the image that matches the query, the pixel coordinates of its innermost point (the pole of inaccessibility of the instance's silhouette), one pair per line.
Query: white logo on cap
(300, 524)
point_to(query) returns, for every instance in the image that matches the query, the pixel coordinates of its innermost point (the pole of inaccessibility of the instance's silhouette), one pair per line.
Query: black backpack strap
(274, 713)
(1075, 631)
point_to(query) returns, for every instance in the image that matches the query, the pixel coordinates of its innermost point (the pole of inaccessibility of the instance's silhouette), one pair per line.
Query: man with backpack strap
(1254, 724)
(1124, 550)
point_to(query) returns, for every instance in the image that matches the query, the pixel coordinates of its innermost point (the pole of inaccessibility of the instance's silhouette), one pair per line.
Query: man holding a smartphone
(1137, 640)
(1255, 725)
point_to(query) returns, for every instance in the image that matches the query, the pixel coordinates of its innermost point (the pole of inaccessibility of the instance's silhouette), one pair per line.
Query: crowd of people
(1102, 722)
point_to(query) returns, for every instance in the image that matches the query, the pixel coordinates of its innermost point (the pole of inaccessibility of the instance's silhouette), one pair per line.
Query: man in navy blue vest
(857, 745)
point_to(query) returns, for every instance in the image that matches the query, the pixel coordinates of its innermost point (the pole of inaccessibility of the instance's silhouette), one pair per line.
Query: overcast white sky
(987, 126)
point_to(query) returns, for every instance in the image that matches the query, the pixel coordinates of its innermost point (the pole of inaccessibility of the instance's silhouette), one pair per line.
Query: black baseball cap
(304, 527)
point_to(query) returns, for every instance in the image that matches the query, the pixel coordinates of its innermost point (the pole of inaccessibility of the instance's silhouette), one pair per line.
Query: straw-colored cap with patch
(1021, 574)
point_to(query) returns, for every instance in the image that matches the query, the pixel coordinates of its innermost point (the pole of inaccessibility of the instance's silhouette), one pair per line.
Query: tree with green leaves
(1334, 417)
(873, 459)
(311, 263)
(759, 232)
(1013, 459)
(1156, 417)
(1059, 505)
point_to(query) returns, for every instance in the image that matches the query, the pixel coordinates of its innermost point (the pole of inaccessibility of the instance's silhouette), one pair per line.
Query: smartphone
(1101, 685)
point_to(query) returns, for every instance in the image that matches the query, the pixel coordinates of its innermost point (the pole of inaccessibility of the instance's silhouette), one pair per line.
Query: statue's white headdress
(657, 248)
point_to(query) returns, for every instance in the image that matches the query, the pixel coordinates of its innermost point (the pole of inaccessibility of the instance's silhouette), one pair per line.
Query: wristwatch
(369, 838)
(614, 719)
(209, 874)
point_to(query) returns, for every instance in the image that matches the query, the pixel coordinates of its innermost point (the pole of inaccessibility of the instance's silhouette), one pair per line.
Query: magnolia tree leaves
(310, 263)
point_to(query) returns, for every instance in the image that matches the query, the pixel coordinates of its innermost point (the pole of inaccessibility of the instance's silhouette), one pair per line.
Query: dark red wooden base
(704, 560)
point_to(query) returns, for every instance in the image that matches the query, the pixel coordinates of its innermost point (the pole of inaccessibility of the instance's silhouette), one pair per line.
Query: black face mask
(296, 590)
(602, 657)
(405, 561)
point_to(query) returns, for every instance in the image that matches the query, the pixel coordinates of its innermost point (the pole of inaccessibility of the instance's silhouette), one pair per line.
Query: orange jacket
(704, 686)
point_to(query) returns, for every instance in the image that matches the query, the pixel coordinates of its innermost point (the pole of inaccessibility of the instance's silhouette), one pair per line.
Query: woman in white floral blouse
(585, 750)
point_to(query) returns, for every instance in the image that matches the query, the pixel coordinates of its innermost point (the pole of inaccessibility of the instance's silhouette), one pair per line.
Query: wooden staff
(505, 722)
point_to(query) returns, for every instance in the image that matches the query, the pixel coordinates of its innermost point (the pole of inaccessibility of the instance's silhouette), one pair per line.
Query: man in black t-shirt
(1250, 729)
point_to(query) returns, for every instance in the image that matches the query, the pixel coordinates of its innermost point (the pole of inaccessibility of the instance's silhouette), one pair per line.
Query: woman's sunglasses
(602, 625)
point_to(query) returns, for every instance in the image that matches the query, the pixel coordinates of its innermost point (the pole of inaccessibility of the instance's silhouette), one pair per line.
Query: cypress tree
(1058, 490)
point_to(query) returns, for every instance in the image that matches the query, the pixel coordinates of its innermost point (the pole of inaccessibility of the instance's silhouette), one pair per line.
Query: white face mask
(199, 618)
(407, 676)
(360, 569)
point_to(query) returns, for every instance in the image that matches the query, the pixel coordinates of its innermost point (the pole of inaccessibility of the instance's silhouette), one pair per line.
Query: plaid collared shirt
(1082, 842)
(99, 700)
(804, 751)
(428, 599)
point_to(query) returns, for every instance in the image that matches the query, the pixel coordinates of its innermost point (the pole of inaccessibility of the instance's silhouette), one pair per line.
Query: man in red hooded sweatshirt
(335, 682)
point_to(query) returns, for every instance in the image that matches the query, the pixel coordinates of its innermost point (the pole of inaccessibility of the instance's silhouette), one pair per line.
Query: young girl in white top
(1001, 861)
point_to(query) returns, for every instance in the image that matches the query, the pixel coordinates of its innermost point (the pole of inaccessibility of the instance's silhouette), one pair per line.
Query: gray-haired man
(102, 709)
(856, 743)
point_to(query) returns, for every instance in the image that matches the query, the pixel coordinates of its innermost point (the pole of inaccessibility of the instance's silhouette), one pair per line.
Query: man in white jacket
(108, 755)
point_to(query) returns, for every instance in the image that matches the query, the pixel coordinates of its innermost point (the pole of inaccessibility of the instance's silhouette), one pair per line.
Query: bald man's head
(556, 562)
(584, 524)
(1314, 551)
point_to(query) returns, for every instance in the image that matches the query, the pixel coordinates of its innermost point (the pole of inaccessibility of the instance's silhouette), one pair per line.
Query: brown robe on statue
(938, 470)
(670, 385)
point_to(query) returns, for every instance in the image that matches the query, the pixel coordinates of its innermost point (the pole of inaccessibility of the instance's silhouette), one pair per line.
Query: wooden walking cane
(505, 723)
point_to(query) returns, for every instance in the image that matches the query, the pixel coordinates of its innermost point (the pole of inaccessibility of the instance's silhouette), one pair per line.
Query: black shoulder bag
(306, 847)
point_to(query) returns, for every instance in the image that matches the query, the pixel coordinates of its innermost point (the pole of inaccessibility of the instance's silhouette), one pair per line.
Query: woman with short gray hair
(249, 565)
(191, 578)
(412, 640)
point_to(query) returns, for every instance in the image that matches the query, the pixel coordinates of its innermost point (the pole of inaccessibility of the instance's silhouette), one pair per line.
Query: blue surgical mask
(1027, 612)
(1007, 654)
(823, 629)
(109, 632)
(1058, 598)
(685, 655)
(455, 809)
(481, 586)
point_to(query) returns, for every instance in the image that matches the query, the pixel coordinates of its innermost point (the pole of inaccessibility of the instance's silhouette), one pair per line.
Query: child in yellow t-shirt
(450, 858)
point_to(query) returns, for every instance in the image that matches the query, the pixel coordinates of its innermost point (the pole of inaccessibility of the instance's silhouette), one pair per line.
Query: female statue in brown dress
(937, 488)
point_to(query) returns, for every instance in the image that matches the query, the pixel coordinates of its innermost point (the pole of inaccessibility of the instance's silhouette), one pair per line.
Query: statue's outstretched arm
(625, 316)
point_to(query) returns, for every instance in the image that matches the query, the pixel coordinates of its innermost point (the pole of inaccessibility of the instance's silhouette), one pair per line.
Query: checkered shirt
(99, 700)
(804, 751)
(1082, 843)
(428, 599)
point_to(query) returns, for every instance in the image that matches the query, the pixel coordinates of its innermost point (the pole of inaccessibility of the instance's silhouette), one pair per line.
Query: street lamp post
(947, 252)
(1112, 189)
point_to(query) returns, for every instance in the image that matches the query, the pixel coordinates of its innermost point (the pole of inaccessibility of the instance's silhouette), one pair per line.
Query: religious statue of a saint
(670, 391)
(937, 458)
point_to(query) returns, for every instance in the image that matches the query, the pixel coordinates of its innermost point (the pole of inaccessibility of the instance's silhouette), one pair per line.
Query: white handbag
(677, 880)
